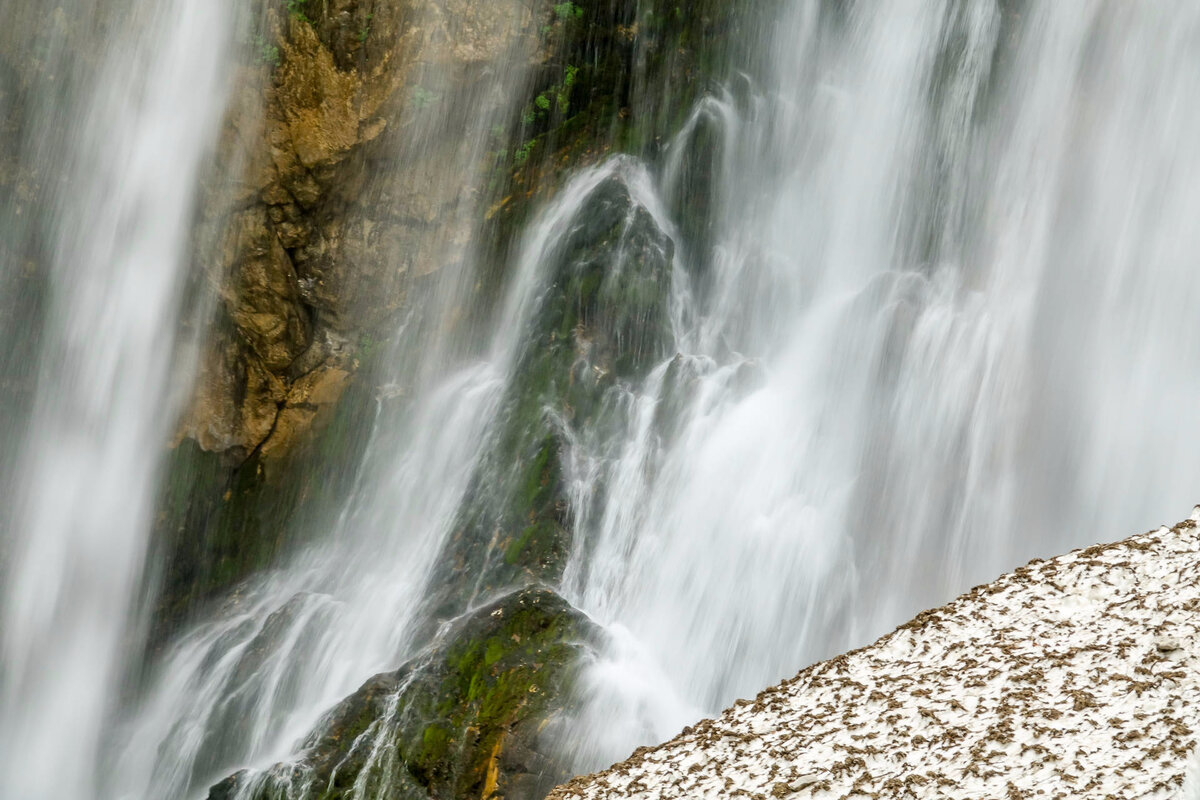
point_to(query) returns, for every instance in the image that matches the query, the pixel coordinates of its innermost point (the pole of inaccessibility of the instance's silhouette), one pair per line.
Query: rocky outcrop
(467, 717)
(331, 240)
(602, 323)
(463, 719)
(1077, 677)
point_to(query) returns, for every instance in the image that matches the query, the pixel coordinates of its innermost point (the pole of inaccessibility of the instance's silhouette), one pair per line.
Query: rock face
(313, 248)
(602, 323)
(358, 186)
(464, 719)
(344, 186)
(1077, 677)
(336, 194)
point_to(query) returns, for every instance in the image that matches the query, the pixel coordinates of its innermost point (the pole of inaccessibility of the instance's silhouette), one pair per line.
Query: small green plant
(366, 31)
(564, 92)
(366, 345)
(265, 52)
(567, 11)
(295, 9)
(556, 96)
(522, 153)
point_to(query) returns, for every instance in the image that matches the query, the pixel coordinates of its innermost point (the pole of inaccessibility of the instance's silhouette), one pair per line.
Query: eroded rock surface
(344, 190)
(1077, 677)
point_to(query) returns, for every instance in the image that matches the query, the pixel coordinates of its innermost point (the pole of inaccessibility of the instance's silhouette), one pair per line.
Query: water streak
(83, 497)
(931, 299)
(941, 328)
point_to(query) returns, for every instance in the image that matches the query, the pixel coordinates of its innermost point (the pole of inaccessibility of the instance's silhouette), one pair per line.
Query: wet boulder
(461, 719)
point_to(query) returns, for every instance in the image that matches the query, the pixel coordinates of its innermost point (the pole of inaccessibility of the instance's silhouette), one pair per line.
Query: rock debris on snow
(1077, 677)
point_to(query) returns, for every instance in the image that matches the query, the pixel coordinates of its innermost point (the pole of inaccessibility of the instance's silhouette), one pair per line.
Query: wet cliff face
(331, 223)
(344, 187)
(339, 189)
(343, 194)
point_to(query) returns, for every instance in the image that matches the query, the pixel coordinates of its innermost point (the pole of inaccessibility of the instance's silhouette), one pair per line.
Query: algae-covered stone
(462, 719)
(601, 325)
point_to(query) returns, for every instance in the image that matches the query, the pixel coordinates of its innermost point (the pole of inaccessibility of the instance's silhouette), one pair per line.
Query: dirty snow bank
(1077, 677)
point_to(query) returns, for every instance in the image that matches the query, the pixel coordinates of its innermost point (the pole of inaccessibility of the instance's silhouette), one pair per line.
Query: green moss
(495, 650)
(365, 32)
(521, 154)
(435, 741)
(295, 9)
(567, 11)
(539, 476)
(537, 545)
(265, 52)
(475, 688)
(491, 684)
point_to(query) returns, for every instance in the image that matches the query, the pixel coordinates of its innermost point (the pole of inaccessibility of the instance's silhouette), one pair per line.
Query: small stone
(796, 784)
(1166, 644)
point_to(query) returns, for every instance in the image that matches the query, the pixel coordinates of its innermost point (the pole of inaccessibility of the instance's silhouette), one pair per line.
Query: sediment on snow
(1076, 677)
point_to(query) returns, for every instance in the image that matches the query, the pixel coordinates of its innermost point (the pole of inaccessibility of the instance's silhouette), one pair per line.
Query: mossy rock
(463, 719)
(601, 325)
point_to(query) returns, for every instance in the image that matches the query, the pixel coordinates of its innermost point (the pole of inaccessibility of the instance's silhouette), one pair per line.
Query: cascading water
(82, 496)
(951, 254)
(246, 687)
(928, 317)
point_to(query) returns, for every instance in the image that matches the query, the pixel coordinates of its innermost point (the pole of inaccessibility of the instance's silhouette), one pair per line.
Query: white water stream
(945, 323)
(956, 248)
(130, 152)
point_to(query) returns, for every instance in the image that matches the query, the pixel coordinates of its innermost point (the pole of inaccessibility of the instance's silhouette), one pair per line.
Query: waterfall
(929, 315)
(128, 143)
(245, 687)
(952, 254)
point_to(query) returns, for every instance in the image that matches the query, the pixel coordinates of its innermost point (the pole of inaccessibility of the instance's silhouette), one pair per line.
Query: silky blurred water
(933, 317)
(954, 255)
(116, 133)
